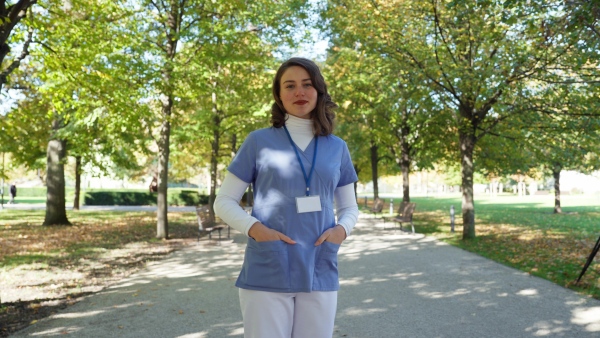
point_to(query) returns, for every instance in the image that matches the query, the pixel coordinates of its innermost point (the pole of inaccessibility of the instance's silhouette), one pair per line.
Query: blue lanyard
(307, 179)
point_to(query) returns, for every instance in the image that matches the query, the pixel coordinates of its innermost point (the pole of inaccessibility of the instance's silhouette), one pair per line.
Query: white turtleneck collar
(301, 130)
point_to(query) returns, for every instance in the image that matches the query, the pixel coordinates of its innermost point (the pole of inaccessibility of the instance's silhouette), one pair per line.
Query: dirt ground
(38, 291)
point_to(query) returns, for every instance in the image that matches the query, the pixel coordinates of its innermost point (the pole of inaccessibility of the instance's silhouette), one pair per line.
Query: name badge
(308, 204)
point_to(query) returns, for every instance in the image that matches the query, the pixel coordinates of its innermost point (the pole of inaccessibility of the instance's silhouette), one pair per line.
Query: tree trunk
(374, 175)
(214, 155)
(77, 182)
(249, 196)
(162, 226)
(166, 98)
(405, 167)
(234, 148)
(556, 173)
(467, 145)
(356, 183)
(56, 213)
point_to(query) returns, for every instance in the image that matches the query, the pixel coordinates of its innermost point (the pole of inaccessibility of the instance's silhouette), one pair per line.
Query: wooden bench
(207, 225)
(405, 215)
(377, 207)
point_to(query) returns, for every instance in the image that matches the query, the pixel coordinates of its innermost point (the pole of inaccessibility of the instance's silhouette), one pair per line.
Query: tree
(172, 35)
(354, 84)
(55, 182)
(562, 133)
(81, 80)
(69, 87)
(475, 56)
(401, 121)
(413, 121)
(11, 14)
(238, 103)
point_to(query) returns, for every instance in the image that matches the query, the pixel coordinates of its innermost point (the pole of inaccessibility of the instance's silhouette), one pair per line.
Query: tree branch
(438, 27)
(488, 130)
(23, 55)
(437, 58)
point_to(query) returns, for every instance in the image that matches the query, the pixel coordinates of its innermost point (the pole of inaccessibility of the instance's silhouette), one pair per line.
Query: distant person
(154, 185)
(300, 173)
(13, 193)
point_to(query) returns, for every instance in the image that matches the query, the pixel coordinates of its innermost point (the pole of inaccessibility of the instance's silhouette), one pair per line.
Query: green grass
(35, 200)
(523, 232)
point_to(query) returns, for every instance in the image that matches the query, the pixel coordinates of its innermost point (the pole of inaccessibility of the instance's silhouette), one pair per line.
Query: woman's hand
(335, 235)
(261, 233)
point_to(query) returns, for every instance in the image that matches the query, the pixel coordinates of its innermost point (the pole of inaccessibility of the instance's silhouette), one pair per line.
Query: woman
(289, 279)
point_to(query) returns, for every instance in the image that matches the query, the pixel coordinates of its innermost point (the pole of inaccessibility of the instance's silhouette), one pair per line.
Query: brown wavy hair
(323, 115)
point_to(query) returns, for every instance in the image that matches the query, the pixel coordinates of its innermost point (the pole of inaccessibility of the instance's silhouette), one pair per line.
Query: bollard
(391, 206)
(451, 218)
(365, 201)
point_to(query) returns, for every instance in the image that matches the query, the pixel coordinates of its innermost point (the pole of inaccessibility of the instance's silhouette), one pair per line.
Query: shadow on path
(393, 284)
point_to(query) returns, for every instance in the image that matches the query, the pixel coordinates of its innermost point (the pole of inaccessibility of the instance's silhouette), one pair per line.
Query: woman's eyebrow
(295, 81)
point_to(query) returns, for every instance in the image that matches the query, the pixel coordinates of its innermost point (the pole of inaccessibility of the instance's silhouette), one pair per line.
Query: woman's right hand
(261, 233)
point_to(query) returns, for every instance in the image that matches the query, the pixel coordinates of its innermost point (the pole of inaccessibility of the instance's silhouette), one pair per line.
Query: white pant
(285, 315)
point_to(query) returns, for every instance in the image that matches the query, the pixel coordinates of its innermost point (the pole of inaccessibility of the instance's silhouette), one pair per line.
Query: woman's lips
(301, 102)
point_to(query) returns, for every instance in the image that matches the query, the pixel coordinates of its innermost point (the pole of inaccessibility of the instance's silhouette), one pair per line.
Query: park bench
(207, 224)
(401, 208)
(377, 207)
(405, 215)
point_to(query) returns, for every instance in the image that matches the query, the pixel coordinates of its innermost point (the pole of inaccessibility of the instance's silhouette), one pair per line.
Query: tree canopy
(477, 58)
(171, 88)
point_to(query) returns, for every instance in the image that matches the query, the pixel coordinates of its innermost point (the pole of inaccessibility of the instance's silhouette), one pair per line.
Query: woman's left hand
(335, 235)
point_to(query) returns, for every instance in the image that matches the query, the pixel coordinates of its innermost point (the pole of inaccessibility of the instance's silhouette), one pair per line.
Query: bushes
(119, 198)
(175, 197)
(187, 197)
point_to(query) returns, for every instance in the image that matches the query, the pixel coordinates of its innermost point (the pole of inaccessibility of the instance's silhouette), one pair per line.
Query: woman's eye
(289, 86)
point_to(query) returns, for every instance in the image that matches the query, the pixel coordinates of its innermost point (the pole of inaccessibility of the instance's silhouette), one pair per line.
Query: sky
(315, 49)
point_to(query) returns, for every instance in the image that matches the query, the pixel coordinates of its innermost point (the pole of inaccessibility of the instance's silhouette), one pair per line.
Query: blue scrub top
(268, 161)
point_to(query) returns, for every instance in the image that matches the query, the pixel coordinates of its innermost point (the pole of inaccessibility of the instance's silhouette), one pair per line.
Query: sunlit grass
(523, 232)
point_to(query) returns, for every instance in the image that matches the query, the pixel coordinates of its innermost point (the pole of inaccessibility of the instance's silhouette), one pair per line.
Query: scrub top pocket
(267, 265)
(326, 267)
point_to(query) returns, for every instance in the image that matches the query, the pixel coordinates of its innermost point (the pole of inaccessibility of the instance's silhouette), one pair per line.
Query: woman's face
(297, 93)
